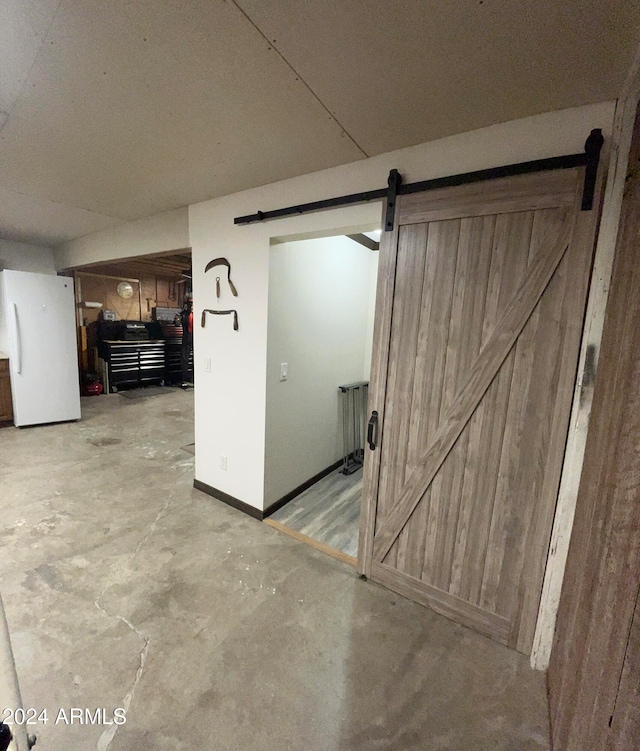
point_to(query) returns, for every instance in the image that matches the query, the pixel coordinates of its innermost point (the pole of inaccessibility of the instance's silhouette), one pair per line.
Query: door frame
(612, 180)
(595, 666)
(338, 231)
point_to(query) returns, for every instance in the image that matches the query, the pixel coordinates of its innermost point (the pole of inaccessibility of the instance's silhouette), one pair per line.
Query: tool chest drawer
(134, 363)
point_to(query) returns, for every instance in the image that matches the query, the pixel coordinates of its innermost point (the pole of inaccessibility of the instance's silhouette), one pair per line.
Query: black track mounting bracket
(394, 182)
(592, 148)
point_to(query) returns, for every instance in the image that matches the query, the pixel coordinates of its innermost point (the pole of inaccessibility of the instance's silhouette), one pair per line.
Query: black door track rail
(589, 159)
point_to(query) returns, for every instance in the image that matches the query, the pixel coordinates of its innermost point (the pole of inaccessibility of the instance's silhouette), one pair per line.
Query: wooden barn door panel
(474, 394)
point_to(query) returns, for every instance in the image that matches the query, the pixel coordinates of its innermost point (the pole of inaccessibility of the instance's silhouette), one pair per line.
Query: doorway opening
(322, 294)
(132, 318)
(133, 301)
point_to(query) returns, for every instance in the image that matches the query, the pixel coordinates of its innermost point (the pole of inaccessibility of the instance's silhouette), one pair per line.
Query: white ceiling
(113, 110)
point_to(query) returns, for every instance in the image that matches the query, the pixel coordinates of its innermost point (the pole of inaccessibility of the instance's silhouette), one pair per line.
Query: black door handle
(371, 427)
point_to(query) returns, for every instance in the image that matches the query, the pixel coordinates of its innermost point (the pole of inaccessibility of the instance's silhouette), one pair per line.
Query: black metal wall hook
(203, 320)
(222, 262)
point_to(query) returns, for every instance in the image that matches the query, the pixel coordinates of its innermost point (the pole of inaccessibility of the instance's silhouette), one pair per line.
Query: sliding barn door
(481, 299)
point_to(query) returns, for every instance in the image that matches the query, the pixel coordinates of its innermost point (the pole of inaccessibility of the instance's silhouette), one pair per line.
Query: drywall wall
(154, 234)
(319, 319)
(22, 257)
(231, 399)
(373, 283)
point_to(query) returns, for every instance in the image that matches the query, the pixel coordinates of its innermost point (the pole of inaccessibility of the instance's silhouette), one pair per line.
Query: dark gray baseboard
(229, 500)
(252, 510)
(276, 505)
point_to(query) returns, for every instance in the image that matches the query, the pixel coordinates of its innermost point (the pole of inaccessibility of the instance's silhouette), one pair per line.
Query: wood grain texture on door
(625, 725)
(481, 299)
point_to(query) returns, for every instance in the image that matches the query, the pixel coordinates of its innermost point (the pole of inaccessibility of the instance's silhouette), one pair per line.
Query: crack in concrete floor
(108, 735)
(250, 639)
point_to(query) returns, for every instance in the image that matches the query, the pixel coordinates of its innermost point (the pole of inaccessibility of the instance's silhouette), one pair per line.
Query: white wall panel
(319, 309)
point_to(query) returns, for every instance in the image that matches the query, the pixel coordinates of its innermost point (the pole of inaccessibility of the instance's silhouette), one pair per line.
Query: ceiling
(113, 110)
(168, 265)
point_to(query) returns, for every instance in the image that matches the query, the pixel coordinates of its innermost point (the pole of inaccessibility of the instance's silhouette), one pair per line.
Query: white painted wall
(373, 282)
(22, 257)
(319, 319)
(154, 234)
(231, 400)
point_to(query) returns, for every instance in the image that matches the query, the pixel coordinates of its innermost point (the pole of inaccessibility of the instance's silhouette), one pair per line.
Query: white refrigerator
(38, 314)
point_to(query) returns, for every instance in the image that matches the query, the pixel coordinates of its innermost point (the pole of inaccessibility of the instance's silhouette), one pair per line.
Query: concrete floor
(125, 587)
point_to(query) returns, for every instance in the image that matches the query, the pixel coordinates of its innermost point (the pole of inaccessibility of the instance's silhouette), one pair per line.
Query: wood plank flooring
(327, 512)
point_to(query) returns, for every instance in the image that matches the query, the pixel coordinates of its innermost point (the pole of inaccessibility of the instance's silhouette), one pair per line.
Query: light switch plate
(284, 371)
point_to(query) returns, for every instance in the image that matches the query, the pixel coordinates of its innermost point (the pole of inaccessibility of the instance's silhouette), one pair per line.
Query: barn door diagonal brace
(485, 368)
(589, 158)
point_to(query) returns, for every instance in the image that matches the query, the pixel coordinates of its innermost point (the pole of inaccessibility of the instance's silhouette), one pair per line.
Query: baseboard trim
(236, 503)
(276, 505)
(252, 511)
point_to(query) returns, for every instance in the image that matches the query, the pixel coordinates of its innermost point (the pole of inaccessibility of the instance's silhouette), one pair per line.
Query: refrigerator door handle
(18, 340)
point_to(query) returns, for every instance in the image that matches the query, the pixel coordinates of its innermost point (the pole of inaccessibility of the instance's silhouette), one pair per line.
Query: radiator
(353, 398)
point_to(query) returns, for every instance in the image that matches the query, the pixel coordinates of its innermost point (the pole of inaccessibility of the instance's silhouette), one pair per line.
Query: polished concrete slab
(125, 587)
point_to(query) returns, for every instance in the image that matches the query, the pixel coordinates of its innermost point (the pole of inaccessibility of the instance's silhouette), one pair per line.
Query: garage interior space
(320, 330)
(213, 629)
(130, 332)
(378, 263)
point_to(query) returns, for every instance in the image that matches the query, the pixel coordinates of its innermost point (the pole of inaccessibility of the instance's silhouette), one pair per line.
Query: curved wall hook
(222, 262)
